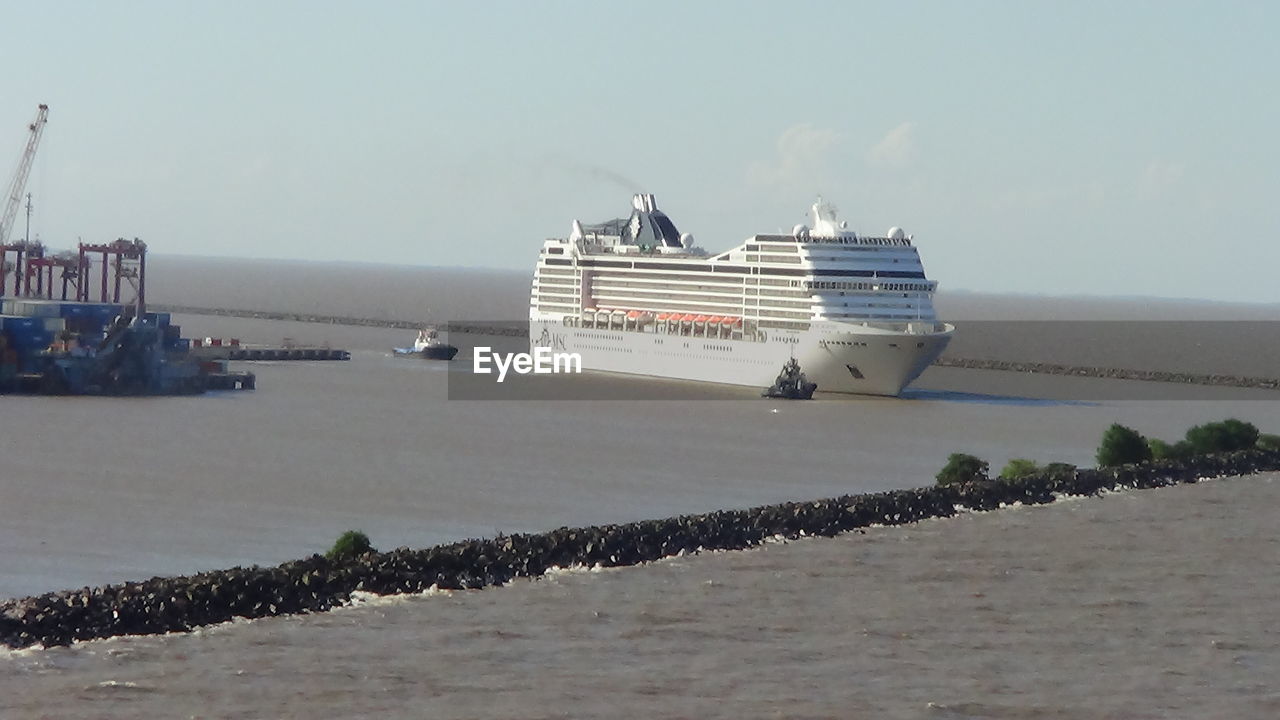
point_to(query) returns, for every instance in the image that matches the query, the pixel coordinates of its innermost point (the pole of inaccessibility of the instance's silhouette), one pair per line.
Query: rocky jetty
(478, 328)
(1181, 378)
(517, 330)
(314, 584)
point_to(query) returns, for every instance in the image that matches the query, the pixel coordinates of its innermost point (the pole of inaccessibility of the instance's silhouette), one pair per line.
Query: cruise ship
(635, 295)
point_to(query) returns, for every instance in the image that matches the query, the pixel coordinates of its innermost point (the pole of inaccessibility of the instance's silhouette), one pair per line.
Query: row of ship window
(812, 240)
(773, 258)
(753, 285)
(842, 254)
(731, 303)
(783, 325)
(642, 285)
(684, 269)
(731, 290)
(829, 285)
(725, 282)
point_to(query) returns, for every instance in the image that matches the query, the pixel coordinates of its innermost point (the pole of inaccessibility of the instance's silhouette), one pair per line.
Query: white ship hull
(636, 296)
(839, 357)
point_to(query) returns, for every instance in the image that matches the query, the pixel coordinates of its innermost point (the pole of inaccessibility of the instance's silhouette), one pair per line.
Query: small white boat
(429, 345)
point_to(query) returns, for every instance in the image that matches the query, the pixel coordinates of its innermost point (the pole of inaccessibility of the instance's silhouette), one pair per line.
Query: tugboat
(791, 384)
(430, 346)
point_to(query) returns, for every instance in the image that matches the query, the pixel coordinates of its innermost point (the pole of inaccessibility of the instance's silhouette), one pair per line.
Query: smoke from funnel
(599, 173)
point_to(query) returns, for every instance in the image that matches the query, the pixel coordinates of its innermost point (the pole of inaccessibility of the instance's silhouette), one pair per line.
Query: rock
(315, 584)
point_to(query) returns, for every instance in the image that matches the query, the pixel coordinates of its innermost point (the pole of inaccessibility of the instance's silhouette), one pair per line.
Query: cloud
(896, 149)
(803, 156)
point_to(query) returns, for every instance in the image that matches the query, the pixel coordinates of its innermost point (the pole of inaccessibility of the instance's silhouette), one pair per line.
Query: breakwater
(481, 328)
(1223, 380)
(513, 330)
(316, 584)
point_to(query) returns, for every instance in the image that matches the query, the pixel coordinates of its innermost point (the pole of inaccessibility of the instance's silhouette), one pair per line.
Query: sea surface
(1145, 604)
(1136, 606)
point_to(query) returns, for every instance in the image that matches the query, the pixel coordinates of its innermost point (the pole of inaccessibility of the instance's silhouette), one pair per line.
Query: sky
(1095, 148)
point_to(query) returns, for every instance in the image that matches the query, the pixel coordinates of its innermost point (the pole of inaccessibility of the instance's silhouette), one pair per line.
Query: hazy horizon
(1093, 148)
(522, 273)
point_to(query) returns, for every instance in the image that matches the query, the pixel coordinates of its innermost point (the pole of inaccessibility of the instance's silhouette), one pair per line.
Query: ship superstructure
(636, 296)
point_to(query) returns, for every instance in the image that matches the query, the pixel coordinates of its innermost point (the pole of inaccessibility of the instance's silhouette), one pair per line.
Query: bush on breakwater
(315, 584)
(350, 544)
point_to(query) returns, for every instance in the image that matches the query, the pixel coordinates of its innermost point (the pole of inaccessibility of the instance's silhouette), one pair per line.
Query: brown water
(1153, 604)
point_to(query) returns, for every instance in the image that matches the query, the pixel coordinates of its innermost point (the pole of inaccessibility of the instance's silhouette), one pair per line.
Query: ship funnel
(644, 202)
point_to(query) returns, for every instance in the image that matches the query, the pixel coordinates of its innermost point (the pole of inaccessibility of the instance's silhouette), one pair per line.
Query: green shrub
(1222, 436)
(1019, 468)
(1181, 450)
(1059, 469)
(1121, 446)
(350, 544)
(1268, 442)
(962, 467)
(1161, 450)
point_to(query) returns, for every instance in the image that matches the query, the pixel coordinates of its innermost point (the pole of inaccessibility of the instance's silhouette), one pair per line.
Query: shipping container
(105, 311)
(29, 340)
(11, 323)
(32, 307)
(85, 325)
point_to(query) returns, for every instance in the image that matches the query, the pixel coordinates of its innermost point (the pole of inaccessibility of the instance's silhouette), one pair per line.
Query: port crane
(11, 202)
(19, 183)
